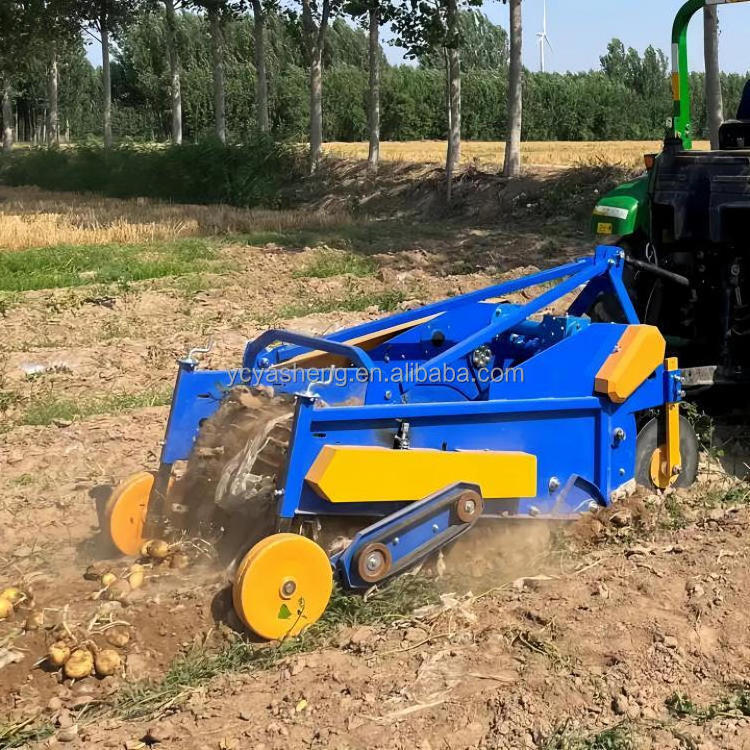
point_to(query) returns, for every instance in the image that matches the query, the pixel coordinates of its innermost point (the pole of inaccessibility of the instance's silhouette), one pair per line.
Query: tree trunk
(316, 107)
(53, 127)
(453, 65)
(7, 118)
(106, 81)
(454, 84)
(512, 167)
(261, 78)
(174, 69)
(714, 102)
(216, 25)
(374, 102)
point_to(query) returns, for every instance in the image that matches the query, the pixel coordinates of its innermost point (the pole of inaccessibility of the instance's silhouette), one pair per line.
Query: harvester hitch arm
(315, 343)
(652, 268)
(506, 322)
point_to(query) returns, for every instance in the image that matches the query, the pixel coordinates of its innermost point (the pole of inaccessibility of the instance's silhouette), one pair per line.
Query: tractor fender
(622, 212)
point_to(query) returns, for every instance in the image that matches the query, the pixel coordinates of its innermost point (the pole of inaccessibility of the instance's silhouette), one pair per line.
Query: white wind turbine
(543, 39)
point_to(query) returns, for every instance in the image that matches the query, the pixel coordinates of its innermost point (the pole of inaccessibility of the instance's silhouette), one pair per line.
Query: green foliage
(79, 265)
(354, 302)
(735, 702)
(47, 408)
(327, 263)
(484, 46)
(616, 738)
(250, 174)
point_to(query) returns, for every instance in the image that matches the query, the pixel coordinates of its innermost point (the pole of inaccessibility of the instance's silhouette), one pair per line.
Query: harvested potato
(79, 665)
(118, 636)
(157, 549)
(179, 561)
(135, 579)
(58, 653)
(34, 620)
(6, 609)
(13, 595)
(107, 662)
(108, 579)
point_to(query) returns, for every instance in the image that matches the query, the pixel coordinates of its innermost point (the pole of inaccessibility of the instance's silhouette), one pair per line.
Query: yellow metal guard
(361, 474)
(638, 353)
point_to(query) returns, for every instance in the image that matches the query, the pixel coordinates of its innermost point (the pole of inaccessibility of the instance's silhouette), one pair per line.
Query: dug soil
(627, 628)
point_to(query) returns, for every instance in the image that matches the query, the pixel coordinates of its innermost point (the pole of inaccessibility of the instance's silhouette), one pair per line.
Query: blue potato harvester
(413, 427)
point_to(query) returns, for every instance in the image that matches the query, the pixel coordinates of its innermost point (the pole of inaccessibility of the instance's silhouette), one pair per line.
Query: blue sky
(579, 31)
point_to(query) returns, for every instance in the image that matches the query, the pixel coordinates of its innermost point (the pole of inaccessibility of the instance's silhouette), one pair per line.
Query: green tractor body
(685, 229)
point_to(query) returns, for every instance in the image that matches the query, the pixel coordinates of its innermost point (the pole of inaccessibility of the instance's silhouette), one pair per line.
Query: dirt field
(626, 630)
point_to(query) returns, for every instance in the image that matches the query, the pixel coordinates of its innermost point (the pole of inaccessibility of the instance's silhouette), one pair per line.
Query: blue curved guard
(315, 343)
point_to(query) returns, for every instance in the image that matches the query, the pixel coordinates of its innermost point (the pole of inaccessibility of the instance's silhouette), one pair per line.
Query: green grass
(361, 238)
(326, 263)
(21, 734)
(358, 302)
(616, 738)
(735, 703)
(47, 409)
(80, 265)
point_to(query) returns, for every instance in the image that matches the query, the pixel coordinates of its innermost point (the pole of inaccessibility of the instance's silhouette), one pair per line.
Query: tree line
(189, 68)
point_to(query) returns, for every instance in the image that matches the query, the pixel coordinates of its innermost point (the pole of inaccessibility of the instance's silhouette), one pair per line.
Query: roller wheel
(651, 450)
(125, 512)
(282, 586)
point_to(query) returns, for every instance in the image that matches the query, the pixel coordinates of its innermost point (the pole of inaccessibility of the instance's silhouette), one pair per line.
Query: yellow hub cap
(282, 585)
(659, 468)
(125, 512)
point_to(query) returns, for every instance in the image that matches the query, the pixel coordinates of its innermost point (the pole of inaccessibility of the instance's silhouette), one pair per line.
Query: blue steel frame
(584, 443)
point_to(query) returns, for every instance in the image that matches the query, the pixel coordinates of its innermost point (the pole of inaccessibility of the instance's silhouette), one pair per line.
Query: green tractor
(685, 229)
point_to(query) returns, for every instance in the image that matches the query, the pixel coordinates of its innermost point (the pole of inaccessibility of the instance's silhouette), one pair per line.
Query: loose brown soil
(542, 634)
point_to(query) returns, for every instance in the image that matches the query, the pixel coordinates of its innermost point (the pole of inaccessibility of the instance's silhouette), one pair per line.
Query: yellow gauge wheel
(282, 585)
(658, 470)
(125, 512)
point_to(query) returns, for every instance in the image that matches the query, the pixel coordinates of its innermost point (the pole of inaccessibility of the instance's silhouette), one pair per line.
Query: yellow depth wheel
(659, 468)
(125, 512)
(282, 585)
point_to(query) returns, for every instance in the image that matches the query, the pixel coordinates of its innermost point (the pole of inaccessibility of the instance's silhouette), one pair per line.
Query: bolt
(288, 588)
(622, 472)
(435, 528)
(374, 561)
(682, 394)
(396, 540)
(469, 507)
(619, 434)
(593, 505)
(554, 483)
(533, 511)
(387, 395)
(264, 362)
